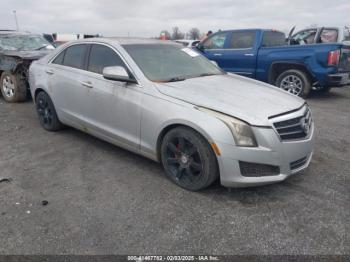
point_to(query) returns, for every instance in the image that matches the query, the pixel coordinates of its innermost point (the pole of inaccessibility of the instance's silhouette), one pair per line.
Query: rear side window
(346, 34)
(102, 56)
(74, 56)
(59, 59)
(272, 38)
(329, 36)
(217, 41)
(242, 40)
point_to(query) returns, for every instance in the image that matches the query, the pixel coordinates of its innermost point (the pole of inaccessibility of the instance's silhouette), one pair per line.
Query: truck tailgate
(344, 63)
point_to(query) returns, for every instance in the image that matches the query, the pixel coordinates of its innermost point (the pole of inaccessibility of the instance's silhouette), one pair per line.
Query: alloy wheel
(8, 87)
(44, 111)
(292, 84)
(183, 160)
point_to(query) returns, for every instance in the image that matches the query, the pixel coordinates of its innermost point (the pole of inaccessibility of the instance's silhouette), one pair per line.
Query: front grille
(295, 128)
(258, 170)
(298, 163)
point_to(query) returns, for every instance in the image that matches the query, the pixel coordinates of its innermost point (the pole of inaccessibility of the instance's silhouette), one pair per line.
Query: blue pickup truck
(264, 55)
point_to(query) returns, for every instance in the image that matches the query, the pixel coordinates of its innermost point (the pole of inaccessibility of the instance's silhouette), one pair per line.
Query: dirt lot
(105, 200)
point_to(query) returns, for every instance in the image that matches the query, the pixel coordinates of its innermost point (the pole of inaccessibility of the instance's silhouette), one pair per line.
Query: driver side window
(102, 56)
(217, 41)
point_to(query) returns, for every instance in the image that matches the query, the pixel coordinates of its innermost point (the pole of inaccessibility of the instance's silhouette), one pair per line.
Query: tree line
(176, 34)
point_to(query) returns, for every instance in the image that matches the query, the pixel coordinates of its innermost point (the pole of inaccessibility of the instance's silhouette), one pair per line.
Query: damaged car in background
(17, 51)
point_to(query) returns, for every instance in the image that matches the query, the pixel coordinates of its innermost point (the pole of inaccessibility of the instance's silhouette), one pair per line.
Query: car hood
(30, 55)
(241, 97)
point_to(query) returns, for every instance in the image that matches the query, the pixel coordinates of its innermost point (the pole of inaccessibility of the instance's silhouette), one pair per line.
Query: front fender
(163, 114)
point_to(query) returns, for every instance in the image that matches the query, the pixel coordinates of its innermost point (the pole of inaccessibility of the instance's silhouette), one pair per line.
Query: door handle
(87, 84)
(217, 54)
(249, 54)
(49, 71)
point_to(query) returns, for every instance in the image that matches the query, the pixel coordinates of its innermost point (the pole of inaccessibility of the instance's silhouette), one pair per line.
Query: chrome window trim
(91, 43)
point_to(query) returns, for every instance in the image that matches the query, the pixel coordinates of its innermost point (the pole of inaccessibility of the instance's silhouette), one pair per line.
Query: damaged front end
(14, 68)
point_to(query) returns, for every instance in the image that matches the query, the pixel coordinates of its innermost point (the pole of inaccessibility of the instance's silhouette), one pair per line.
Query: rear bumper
(338, 80)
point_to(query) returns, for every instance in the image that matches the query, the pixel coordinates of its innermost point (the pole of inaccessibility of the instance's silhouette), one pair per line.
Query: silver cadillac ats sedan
(172, 105)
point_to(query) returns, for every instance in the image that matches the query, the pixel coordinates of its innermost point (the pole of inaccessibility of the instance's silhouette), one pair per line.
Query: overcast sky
(147, 18)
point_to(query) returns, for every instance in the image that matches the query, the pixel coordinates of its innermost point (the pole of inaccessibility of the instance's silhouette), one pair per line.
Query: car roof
(185, 40)
(326, 26)
(11, 32)
(125, 40)
(249, 29)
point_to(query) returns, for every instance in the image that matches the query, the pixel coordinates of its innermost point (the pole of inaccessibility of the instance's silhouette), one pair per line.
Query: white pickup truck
(320, 35)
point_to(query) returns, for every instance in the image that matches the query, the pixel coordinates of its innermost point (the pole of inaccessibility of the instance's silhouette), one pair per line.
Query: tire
(295, 82)
(188, 159)
(13, 87)
(325, 89)
(47, 112)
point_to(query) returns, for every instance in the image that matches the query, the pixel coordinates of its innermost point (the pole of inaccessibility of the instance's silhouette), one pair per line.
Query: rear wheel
(13, 87)
(295, 82)
(47, 113)
(188, 159)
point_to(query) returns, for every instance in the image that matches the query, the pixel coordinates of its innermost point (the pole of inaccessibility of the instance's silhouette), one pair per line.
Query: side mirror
(200, 47)
(293, 42)
(117, 73)
(214, 63)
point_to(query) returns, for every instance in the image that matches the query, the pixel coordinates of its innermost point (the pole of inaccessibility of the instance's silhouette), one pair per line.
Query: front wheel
(47, 112)
(188, 159)
(295, 82)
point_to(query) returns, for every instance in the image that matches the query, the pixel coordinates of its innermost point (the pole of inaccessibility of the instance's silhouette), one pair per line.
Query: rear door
(66, 78)
(240, 55)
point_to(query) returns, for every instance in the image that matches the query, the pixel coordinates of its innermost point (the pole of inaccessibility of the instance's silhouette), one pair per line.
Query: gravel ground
(105, 200)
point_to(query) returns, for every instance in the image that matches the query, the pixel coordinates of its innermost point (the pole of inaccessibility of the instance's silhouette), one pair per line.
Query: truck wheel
(295, 82)
(188, 159)
(13, 87)
(325, 89)
(47, 112)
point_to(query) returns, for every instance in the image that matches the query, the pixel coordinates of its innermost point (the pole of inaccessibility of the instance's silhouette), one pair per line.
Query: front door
(112, 107)
(214, 49)
(233, 51)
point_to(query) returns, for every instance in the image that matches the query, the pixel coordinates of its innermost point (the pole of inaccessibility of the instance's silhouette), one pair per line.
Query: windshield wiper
(41, 47)
(175, 79)
(206, 74)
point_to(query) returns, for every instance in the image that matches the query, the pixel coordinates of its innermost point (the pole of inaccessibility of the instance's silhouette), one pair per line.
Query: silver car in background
(170, 104)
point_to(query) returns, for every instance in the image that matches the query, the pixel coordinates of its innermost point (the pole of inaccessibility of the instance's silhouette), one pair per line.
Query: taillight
(333, 58)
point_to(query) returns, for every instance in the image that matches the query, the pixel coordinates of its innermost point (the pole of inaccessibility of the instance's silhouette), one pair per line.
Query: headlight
(241, 131)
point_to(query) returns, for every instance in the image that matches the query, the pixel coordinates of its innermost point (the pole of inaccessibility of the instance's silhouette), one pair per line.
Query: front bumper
(338, 80)
(271, 151)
